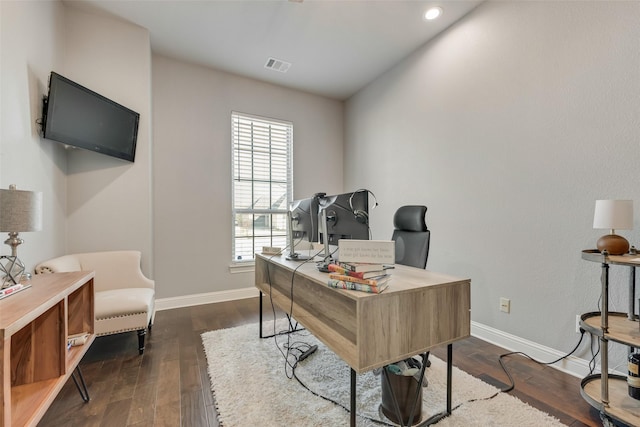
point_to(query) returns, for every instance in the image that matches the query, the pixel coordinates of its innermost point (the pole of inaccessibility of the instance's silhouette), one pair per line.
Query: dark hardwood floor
(169, 384)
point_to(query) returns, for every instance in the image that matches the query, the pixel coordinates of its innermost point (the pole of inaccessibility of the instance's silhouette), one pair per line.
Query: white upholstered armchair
(124, 297)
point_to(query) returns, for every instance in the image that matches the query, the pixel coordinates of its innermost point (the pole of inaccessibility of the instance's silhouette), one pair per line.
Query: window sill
(242, 267)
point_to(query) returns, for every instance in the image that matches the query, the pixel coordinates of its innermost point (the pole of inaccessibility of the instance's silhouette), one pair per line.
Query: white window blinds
(262, 183)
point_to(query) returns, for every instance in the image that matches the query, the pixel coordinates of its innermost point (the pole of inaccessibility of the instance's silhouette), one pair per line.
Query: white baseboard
(206, 298)
(571, 365)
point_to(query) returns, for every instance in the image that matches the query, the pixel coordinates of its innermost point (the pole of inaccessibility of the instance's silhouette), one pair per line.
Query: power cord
(304, 349)
(594, 355)
(506, 371)
(512, 383)
(592, 362)
(300, 347)
(273, 309)
(335, 402)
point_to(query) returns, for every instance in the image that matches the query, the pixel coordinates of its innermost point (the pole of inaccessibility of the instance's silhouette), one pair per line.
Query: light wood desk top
(420, 310)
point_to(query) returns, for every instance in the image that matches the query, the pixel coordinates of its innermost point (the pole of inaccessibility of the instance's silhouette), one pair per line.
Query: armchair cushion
(122, 310)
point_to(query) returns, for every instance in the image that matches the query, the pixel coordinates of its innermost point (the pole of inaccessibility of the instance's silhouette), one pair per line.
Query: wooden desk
(420, 310)
(34, 326)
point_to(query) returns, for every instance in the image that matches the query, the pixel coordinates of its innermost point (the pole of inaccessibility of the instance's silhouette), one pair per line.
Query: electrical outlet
(505, 305)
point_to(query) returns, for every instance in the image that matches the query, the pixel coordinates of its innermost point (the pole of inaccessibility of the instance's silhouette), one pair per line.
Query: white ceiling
(336, 47)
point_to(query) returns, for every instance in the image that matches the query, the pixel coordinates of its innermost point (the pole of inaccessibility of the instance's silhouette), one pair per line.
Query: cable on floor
(512, 383)
(328, 399)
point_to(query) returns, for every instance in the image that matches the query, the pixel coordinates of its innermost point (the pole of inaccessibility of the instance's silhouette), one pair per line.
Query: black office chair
(412, 240)
(411, 236)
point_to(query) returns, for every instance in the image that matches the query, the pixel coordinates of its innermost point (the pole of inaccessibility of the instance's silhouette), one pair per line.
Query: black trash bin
(404, 388)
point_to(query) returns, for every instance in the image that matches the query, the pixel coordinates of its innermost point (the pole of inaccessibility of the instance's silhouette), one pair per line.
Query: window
(262, 187)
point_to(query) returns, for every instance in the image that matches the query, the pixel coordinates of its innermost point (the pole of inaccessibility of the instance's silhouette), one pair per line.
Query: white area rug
(251, 387)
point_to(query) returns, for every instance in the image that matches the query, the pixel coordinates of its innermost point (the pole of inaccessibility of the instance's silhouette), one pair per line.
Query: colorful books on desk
(362, 267)
(380, 270)
(341, 284)
(374, 285)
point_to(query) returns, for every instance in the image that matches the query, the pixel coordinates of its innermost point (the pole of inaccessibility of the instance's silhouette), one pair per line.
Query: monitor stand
(297, 257)
(323, 265)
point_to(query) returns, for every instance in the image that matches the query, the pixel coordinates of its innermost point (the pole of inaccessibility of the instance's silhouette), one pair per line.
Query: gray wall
(31, 45)
(192, 108)
(109, 200)
(91, 201)
(508, 127)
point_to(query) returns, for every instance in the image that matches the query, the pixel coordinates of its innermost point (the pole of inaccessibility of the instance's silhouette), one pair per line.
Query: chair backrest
(114, 269)
(411, 236)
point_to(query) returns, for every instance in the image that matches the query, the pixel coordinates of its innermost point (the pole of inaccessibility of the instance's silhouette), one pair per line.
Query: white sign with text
(371, 251)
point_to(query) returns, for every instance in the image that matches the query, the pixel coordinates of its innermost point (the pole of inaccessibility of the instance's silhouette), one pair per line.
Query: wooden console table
(420, 310)
(34, 327)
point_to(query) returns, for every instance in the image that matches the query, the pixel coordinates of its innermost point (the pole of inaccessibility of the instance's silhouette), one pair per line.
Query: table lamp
(613, 215)
(19, 211)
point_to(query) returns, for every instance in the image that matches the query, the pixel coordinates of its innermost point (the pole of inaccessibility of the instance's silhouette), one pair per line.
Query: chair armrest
(61, 264)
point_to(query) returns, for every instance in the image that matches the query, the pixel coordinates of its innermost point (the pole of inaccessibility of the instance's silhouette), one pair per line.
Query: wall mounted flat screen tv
(79, 117)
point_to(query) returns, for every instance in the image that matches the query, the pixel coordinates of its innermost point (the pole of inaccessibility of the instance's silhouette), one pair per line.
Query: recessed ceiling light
(433, 13)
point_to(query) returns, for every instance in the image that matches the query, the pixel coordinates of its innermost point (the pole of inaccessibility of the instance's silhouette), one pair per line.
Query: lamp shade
(613, 214)
(20, 210)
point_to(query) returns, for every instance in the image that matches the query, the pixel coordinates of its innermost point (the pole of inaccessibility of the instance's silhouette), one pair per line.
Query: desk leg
(449, 376)
(435, 418)
(353, 398)
(260, 322)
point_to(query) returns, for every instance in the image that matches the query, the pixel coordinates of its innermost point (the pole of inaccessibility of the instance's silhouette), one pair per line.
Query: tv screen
(80, 117)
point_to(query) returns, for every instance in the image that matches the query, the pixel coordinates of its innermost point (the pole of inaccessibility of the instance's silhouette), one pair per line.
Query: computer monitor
(347, 216)
(343, 216)
(303, 224)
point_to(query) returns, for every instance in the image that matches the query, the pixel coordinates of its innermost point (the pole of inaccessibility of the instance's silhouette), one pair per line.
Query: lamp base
(13, 270)
(614, 244)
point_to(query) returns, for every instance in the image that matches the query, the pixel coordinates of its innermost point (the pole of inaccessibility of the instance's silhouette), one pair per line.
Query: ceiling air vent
(277, 64)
